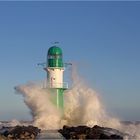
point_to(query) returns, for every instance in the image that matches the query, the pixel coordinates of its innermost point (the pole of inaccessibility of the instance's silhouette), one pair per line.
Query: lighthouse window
(58, 56)
(54, 56)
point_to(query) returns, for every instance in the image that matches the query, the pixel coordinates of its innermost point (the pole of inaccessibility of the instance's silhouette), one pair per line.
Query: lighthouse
(55, 70)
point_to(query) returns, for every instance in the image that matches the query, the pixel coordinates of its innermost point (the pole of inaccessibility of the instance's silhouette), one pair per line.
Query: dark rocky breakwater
(84, 132)
(78, 132)
(19, 132)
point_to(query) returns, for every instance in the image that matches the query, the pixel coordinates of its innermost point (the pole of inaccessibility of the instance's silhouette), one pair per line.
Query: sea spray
(132, 129)
(45, 115)
(82, 107)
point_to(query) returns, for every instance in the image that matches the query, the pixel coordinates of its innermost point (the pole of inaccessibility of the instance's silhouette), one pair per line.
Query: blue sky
(102, 38)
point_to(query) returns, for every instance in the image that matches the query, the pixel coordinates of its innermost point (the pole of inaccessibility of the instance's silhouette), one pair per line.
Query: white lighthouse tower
(55, 70)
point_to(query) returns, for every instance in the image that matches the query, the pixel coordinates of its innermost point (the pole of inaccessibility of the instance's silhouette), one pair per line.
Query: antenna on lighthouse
(55, 43)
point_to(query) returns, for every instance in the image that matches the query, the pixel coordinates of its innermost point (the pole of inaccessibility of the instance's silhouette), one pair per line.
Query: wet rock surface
(19, 132)
(85, 132)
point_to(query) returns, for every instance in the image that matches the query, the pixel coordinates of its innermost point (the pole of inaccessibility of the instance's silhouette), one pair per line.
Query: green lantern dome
(55, 57)
(54, 51)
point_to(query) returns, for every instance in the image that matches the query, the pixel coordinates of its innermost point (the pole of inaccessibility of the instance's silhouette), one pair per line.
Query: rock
(115, 137)
(81, 136)
(84, 132)
(32, 136)
(3, 138)
(26, 134)
(103, 136)
(10, 136)
(20, 132)
(22, 136)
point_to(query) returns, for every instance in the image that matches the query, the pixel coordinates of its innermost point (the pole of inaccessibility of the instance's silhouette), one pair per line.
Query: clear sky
(102, 38)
